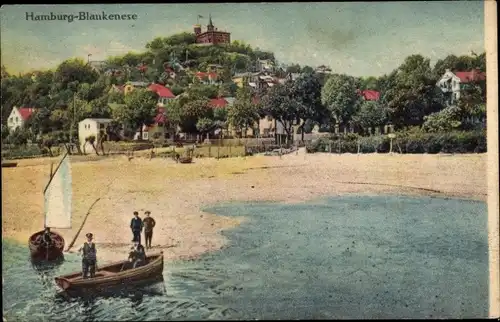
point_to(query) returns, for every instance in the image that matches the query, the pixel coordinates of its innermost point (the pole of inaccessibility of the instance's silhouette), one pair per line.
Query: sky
(355, 38)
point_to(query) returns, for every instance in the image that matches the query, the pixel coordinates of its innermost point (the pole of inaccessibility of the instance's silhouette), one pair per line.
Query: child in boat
(138, 255)
(89, 257)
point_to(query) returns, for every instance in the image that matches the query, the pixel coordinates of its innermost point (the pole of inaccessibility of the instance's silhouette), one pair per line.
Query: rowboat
(57, 198)
(113, 275)
(41, 251)
(6, 164)
(185, 159)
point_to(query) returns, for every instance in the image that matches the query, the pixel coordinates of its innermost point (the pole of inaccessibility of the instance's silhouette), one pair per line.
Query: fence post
(359, 146)
(210, 151)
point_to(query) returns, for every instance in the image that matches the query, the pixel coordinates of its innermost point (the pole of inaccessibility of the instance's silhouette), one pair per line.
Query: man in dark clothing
(149, 224)
(136, 226)
(89, 257)
(47, 239)
(136, 257)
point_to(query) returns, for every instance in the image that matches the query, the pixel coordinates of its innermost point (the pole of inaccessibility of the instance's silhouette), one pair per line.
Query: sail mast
(55, 183)
(54, 173)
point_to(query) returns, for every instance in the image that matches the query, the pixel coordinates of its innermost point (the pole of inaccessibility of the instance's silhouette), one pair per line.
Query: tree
(368, 83)
(294, 68)
(370, 115)
(139, 109)
(74, 70)
(445, 120)
(19, 136)
(203, 91)
(205, 125)
(280, 104)
(5, 132)
(91, 140)
(413, 93)
(307, 70)
(243, 113)
(340, 97)
(186, 111)
(306, 90)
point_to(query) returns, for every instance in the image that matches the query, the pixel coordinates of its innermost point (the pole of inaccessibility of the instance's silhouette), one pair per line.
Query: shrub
(410, 141)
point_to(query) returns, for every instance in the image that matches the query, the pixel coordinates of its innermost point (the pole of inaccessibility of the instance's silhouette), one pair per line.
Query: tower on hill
(212, 36)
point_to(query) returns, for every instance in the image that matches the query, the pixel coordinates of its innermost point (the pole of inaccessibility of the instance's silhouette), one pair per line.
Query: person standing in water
(89, 257)
(149, 224)
(136, 226)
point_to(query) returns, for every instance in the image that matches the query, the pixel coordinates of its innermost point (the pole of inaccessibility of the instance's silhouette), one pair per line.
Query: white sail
(58, 197)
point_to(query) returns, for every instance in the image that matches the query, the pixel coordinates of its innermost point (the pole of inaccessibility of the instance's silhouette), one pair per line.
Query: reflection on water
(43, 266)
(349, 257)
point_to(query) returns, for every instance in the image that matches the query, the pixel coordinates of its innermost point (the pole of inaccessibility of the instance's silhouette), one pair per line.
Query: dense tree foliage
(75, 90)
(340, 97)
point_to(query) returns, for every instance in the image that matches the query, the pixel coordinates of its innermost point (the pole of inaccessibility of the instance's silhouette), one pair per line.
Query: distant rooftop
(98, 120)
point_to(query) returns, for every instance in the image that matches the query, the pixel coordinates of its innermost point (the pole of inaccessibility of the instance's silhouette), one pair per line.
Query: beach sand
(175, 193)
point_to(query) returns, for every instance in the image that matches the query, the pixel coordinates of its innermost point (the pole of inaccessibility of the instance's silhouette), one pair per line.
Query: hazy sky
(360, 39)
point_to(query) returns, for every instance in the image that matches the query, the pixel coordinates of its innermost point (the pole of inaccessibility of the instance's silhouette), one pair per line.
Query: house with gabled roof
(452, 83)
(19, 116)
(164, 93)
(369, 95)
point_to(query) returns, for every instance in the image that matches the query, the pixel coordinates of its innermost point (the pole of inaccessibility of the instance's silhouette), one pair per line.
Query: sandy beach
(175, 193)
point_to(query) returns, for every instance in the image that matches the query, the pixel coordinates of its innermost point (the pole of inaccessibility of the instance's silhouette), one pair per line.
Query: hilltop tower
(210, 26)
(212, 36)
(197, 29)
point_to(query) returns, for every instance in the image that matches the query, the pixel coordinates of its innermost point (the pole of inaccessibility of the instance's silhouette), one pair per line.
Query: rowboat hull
(39, 251)
(186, 160)
(9, 164)
(110, 275)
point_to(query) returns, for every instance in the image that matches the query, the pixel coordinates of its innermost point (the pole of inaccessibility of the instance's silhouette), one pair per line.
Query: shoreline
(179, 193)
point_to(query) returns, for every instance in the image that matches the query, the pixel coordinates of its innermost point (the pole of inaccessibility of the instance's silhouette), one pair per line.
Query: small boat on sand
(185, 160)
(113, 275)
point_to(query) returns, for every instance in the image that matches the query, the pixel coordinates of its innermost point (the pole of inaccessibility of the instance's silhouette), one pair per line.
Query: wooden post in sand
(391, 137)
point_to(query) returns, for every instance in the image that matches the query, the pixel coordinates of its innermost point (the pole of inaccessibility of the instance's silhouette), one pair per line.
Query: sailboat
(58, 200)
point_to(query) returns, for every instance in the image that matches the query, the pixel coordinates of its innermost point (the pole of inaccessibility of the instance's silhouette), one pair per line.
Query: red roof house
(471, 76)
(161, 90)
(218, 102)
(369, 95)
(26, 112)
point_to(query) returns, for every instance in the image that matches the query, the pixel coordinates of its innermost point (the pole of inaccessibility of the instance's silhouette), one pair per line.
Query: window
(101, 126)
(269, 118)
(144, 135)
(17, 119)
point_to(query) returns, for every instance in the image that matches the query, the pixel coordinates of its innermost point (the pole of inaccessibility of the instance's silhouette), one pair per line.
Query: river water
(337, 258)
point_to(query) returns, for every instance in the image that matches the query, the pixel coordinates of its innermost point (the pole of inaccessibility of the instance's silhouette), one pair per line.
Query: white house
(453, 82)
(91, 126)
(18, 117)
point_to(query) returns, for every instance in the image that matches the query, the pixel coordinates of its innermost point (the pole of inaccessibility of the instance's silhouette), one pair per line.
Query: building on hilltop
(212, 36)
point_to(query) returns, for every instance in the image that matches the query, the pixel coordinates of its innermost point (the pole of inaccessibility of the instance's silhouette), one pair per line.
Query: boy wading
(149, 224)
(136, 226)
(88, 257)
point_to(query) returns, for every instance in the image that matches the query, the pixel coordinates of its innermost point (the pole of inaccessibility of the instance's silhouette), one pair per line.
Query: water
(345, 257)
